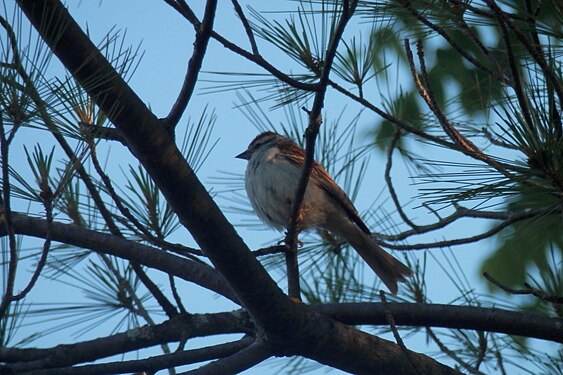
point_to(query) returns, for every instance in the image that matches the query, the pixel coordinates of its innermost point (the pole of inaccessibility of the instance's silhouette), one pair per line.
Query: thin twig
(506, 20)
(451, 354)
(276, 249)
(312, 131)
(246, 358)
(166, 305)
(448, 243)
(428, 96)
(176, 295)
(458, 48)
(103, 132)
(468, 31)
(247, 27)
(527, 290)
(517, 83)
(462, 212)
(498, 356)
(398, 339)
(47, 197)
(257, 59)
(464, 144)
(392, 192)
(482, 349)
(8, 223)
(401, 124)
(133, 223)
(203, 34)
(496, 141)
(168, 308)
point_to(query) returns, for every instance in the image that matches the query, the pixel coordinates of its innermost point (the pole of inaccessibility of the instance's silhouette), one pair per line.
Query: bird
(275, 165)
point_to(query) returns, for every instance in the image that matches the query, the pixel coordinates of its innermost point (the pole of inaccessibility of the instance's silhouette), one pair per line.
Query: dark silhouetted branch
(203, 34)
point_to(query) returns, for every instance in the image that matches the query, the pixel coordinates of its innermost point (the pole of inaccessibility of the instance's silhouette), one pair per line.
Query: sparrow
(275, 165)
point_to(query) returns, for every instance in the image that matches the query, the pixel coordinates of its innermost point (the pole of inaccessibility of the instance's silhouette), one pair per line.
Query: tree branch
(203, 33)
(247, 27)
(459, 49)
(315, 120)
(237, 362)
(173, 330)
(527, 290)
(395, 138)
(7, 214)
(152, 364)
(448, 316)
(462, 212)
(451, 353)
(257, 59)
(197, 273)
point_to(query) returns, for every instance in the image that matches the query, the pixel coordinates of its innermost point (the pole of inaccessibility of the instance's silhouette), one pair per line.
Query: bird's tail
(389, 269)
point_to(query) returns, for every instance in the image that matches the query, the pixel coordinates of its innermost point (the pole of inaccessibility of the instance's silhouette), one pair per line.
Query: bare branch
(154, 363)
(398, 339)
(401, 124)
(315, 120)
(47, 196)
(459, 49)
(448, 316)
(454, 242)
(242, 360)
(462, 212)
(203, 33)
(505, 20)
(251, 56)
(102, 132)
(173, 330)
(518, 88)
(451, 354)
(247, 27)
(527, 290)
(8, 223)
(394, 197)
(198, 273)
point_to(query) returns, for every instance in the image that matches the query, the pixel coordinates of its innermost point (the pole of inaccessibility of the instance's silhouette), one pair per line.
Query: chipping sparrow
(272, 176)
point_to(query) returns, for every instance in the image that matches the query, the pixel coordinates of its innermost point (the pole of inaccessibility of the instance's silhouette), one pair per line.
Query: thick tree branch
(404, 314)
(174, 330)
(448, 316)
(152, 364)
(151, 143)
(188, 270)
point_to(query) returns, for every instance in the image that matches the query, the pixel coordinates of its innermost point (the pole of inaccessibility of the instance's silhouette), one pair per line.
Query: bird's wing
(328, 184)
(297, 156)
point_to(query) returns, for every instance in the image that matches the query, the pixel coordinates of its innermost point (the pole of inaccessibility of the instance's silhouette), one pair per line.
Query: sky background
(166, 42)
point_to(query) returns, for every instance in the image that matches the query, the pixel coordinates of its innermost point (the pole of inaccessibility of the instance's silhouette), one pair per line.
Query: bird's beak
(244, 155)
